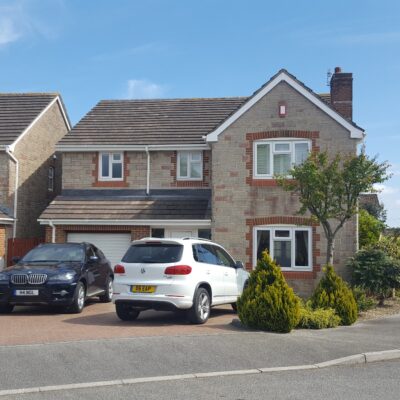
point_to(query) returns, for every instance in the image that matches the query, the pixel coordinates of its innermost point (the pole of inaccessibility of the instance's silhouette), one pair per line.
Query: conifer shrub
(364, 302)
(268, 303)
(333, 292)
(318, 319)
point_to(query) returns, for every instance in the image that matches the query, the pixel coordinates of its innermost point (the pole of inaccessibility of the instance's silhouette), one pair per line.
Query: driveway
(31, 325)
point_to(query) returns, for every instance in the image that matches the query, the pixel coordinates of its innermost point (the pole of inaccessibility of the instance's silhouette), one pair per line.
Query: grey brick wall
(235, 200)
(35, 154)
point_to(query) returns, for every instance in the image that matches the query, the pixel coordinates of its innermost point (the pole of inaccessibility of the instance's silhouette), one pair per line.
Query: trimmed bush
(318, 319)
(268, 303)
(376, 272)
(333, 292)
(364, 302)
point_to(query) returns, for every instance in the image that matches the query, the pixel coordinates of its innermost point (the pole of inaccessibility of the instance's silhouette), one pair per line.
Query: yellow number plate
(143, 289)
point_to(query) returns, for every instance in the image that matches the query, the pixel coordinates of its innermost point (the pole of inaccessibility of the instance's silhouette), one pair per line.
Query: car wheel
(79, 299)
(200, 310)
(234, 306)
(126, 313)
(6, 308)
(108, 293)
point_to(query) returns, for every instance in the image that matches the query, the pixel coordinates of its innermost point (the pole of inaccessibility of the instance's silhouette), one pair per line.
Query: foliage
(329, 188)
(318, 319)
(376, 210)
(333, 292)
(369, 229)
(268, 303)
(364, 302)
(390, 244)
(375, 271)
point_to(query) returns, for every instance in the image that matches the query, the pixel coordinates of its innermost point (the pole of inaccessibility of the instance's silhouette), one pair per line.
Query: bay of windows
(290, 247)
(276, 157)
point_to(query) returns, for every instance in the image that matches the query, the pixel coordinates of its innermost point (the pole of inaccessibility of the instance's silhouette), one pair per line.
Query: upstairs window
(50, 180)
(278, 157)
(111, 166)
(190, 165)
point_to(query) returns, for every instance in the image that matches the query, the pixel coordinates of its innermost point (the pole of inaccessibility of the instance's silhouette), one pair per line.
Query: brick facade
(239, 203)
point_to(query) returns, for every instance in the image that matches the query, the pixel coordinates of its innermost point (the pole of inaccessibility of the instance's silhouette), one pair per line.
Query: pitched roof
(284, 76)
(147, 122)
(366, 199)
(129, 205)
(18, 111)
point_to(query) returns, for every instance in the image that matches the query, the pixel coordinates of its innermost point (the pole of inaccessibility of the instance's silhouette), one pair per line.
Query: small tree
(329, 189)
(375, 271)
(268, 303)
(369, 229)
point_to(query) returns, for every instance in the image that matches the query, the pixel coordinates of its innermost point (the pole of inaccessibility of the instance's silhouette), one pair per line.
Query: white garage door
(113, 245)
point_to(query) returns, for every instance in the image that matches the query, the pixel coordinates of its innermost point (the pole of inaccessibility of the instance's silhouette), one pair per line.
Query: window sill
(264, 181)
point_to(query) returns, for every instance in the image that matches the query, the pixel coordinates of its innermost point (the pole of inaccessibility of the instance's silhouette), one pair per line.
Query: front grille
(19, 279)
(32, 279)
(37, 279)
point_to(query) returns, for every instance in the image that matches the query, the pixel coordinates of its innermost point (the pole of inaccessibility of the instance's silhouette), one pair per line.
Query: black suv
(57, 274)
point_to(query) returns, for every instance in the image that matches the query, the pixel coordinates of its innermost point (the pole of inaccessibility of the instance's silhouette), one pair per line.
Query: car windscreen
(55, 253)
(153, 253)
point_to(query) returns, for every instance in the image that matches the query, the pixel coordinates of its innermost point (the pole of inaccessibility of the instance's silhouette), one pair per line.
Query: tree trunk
(329, 251)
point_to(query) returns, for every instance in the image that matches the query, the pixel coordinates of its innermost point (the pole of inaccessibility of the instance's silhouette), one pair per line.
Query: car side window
(205, 254)
(223, 257)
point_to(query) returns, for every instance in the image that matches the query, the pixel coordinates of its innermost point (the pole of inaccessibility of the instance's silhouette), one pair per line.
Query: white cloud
(385, 189)
(144, 89)
(8, 31)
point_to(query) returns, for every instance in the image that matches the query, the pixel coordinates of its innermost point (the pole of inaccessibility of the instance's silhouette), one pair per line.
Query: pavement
(164, 345)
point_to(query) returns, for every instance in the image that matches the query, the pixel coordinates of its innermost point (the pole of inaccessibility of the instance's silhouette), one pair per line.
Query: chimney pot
(338, 70)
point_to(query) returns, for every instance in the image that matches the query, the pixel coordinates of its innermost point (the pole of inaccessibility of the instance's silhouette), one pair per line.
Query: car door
(205, 255)
(104, 267)
(93, 271)
(229, 272)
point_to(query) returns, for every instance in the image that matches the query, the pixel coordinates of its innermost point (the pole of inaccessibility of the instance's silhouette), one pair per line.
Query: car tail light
(119, 269)
(178, 270)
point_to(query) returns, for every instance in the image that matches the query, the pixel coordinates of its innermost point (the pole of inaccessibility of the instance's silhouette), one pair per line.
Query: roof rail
(196, 238)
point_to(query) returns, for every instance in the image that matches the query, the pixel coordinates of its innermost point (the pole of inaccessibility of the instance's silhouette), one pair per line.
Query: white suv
(176, 274)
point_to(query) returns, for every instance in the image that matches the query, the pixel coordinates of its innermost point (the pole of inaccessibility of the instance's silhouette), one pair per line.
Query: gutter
(13, 158)
(148, 171)
(53, 232)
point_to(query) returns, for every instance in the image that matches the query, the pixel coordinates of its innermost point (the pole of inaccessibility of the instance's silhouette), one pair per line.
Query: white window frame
(272, 144)
(292, 229)
(111, 161)
(189, 162)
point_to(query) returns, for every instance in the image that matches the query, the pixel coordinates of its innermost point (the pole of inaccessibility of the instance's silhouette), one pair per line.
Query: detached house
(205, 167)
(30, 175)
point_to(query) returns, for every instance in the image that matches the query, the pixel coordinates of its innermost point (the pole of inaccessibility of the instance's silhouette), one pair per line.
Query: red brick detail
(285, 220)
(137, 232)
(251, 137)
(188, 183)
(109, 184)
(2, 241)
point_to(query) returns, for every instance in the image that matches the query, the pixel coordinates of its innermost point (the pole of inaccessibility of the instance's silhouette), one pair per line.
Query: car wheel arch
(206, 286)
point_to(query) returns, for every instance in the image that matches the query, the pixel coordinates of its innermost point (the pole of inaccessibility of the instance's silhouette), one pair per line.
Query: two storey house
(30, 174)
(205, 168)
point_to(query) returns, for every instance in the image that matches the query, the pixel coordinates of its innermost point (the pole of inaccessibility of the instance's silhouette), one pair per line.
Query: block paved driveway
(30, 325)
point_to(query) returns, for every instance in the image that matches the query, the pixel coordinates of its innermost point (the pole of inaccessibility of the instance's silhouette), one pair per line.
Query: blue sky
(102, 49)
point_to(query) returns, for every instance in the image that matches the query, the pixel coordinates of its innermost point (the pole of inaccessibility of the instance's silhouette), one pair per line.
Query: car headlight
(65, 276)
(4, 277)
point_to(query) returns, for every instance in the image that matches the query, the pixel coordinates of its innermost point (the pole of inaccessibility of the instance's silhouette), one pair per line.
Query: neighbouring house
(205, 167)
(30, 172)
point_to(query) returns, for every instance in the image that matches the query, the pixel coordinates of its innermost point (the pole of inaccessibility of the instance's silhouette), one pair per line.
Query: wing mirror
(239, 265)
(93, 258)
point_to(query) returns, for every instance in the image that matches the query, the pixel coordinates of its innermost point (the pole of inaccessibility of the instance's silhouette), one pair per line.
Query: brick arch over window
(254, 136)
(286, 220)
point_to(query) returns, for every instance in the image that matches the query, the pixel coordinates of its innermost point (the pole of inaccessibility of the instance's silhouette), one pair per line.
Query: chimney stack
(342, 93)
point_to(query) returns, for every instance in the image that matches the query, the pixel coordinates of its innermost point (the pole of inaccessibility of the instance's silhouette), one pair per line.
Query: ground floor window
(158, 233)
(289, 246)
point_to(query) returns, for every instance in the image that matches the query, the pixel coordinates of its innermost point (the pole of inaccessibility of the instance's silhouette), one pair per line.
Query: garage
(113, 245)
